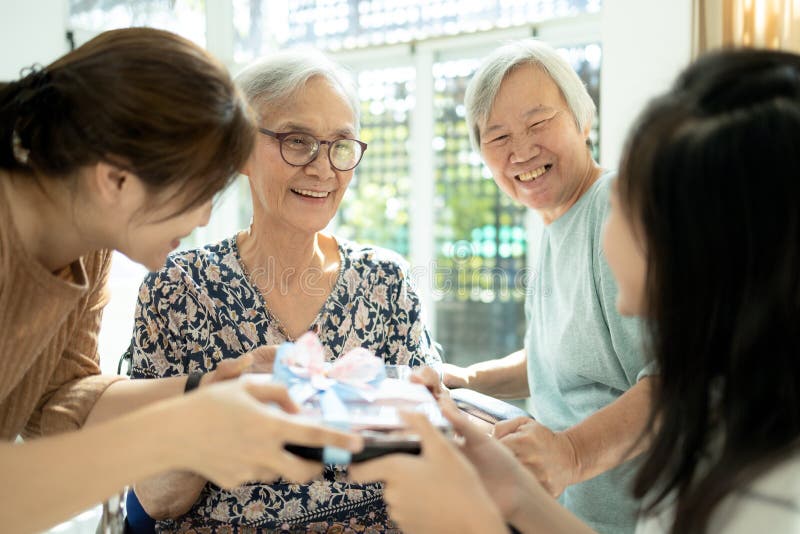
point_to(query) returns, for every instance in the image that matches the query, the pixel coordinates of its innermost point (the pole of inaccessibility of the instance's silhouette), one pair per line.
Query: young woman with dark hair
(704, 241)
(710, 184)
(120, 144)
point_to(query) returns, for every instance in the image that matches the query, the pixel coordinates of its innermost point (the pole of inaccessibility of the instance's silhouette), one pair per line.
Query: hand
(429, 378)
(549, 455)
(437, 491)
(258, 360)
(236, 437)
(503, 476)
(454, 376)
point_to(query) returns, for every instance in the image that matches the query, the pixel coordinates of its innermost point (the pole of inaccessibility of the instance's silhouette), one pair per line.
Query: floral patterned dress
(201, 308)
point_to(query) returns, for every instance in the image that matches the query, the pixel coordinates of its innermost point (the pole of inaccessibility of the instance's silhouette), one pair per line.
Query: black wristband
(193, 381)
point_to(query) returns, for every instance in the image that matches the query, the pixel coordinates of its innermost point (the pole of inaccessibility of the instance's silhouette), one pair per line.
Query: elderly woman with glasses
(273, 282)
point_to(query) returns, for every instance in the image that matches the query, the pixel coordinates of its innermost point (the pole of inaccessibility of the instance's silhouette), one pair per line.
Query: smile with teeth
(534, 174)
(312, 194)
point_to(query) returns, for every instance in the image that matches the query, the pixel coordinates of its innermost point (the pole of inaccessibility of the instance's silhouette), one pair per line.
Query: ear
(109, 182)
(247, 165)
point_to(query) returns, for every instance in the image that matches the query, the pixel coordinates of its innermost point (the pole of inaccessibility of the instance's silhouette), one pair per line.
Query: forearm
(505, 378)
(49, 480)
(128, 395)
(170, 495)
(612, 435)
(539, 513)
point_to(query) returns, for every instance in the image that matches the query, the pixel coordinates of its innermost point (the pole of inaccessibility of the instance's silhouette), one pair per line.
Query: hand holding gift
(353, 393)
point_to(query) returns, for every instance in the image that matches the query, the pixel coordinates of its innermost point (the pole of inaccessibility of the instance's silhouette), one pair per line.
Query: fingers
(452, 376)
(431, 437)
(227, 369)
(264, 474)
(296, 469)
(429, 378)
(461, 424)
(515, 443)
(385, 469)
(270, 392)
(312, 435)
(503, 428)
(524, 442)
(264, 358)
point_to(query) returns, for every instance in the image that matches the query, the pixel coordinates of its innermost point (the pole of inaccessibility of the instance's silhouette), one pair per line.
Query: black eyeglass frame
(280, 136)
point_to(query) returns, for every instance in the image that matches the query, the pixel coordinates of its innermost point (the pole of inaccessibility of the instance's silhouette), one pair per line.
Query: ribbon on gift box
(301, 366)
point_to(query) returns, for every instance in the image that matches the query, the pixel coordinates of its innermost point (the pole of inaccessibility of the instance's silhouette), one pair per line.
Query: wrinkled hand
(549, 456)
(258, 360)
(454, 376)
(437, 491)
(239, 429)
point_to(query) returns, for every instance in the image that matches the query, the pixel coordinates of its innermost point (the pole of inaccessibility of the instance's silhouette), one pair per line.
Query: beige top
(49, 324)
(771, 504)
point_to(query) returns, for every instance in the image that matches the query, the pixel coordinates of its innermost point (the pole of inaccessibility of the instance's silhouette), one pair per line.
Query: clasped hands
(550, 456)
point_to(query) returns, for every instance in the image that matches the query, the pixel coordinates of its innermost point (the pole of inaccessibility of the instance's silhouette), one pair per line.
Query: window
(476, 265)
(349, 24)
(184, 17)
(375, 209)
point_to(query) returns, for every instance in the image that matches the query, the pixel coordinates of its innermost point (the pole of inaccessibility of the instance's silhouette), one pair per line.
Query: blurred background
(420, 190)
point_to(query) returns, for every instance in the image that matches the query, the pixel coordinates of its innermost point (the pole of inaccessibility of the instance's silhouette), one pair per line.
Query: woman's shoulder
(366, 257)
(780, 484)
(210, 263)
(773, 499)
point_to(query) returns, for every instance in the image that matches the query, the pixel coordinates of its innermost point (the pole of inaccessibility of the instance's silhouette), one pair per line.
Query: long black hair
(711, 179)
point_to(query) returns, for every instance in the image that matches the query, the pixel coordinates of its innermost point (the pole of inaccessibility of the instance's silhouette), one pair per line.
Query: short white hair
(274, 79)
(484, 85)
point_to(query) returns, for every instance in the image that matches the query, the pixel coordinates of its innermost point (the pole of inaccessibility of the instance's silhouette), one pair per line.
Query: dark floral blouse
(201, 308)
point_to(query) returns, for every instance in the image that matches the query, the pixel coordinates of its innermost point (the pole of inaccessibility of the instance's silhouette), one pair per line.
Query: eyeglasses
(300, 149)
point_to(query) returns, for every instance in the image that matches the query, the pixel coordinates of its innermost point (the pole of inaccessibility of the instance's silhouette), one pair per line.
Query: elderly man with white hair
(530, 116)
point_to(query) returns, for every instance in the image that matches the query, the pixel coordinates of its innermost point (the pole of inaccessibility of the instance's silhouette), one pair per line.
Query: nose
(321, 166)
(523, 149)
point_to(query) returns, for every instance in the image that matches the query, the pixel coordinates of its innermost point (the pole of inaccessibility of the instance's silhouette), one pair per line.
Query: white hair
(274, 79)
(484, 85)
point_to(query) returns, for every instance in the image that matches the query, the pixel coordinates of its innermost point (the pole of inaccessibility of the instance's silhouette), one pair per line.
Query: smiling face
(530, 142)
(304, 198)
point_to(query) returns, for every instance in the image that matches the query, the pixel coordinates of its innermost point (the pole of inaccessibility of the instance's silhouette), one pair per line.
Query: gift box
(353, 393)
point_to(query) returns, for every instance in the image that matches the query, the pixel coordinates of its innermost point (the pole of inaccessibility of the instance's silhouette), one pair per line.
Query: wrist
(469, 376)
(193, 381)
(575, 458)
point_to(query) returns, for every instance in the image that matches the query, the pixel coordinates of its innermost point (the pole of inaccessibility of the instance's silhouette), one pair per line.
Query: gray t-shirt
(582, 355)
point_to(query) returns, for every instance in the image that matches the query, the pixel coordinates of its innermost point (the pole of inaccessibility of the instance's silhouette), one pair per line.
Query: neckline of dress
(315, 324)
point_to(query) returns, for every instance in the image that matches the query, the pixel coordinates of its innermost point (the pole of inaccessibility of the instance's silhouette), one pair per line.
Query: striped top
(49, 365)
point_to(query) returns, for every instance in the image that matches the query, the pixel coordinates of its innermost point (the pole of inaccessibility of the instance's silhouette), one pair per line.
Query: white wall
(31, 31)
(645, 44)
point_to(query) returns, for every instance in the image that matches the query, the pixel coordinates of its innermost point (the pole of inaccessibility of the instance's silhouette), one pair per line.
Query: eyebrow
(296, 127)
(526, 115)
